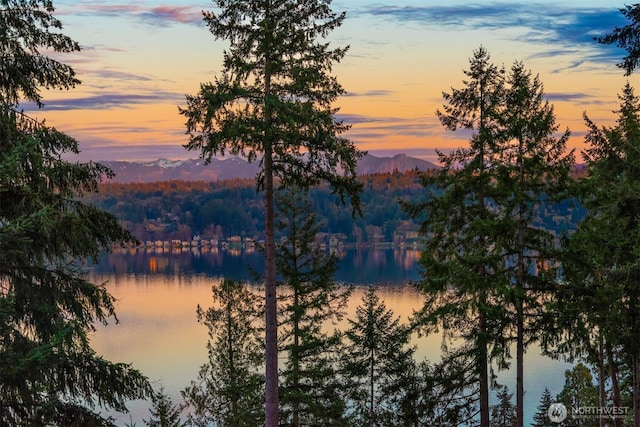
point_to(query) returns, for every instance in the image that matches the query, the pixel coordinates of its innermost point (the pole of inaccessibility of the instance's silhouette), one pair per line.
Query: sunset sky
(141, 57)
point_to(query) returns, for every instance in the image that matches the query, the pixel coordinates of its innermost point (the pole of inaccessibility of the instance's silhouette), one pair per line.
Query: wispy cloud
(163, 15)
(569, 97)
(370, 93)
(567, 28)
(107, 73)
(104, 101)
(372, 127)
(183, 15)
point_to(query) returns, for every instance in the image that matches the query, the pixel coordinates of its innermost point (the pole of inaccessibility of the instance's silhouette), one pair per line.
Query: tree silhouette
(49, 374)
(627, 38)
(229, 389)
(602, 272)
(273, 103)
(461, 263)
(377, 363)
(311, 300)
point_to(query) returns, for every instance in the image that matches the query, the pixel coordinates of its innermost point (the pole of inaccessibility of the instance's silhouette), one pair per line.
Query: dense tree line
(233, 207)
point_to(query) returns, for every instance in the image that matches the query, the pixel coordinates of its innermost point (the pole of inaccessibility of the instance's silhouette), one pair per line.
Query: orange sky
(139, 60)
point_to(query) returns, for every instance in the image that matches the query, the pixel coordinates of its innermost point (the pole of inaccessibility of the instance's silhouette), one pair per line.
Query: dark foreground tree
(601, 292)
(229, 390)
(584, 323)
(488, 261)
(26, 28)
(447, 393)
(503, 413)
(311, 302)
(627, 38)
(533, 173)
(49, 374)
(273, 103)
(541, 417)
(378, 363)
(579, 392)
(462, 278)
(164, 413)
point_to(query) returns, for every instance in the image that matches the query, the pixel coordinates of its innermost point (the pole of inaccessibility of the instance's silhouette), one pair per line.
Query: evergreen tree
(26, 28)
(541, 417)
(484, 204)
(164, 413)
(601, 283)
(581, 321)
(273, 101)
(579, 392)
(627, 38)
(462, 263)
(229, 389)
(448, 397)
(49, 374)
(378, 362)
(311, 393)
(503, 413)
(533, 172)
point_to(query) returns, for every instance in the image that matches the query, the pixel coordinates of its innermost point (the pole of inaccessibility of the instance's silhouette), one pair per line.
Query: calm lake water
(158, 293)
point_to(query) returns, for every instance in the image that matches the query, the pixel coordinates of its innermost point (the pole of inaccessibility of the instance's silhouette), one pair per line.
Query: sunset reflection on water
(158, 293)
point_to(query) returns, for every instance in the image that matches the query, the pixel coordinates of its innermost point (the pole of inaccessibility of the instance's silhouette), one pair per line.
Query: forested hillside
(181, 209)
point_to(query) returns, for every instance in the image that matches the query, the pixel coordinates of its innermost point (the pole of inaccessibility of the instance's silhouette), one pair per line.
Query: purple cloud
(183, 15)
(156, 15)
(105, 101)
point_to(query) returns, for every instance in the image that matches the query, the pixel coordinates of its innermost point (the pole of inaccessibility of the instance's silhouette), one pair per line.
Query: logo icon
(557, 412)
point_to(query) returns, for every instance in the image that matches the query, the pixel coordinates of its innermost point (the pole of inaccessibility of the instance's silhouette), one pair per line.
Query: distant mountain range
(235, 167)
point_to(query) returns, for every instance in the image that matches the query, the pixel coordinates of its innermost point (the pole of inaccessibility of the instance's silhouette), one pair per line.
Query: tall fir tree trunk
(482, 319)
(296, 354)
(483, 365)
(615, 385)
(601, 379)
(372, 389)
(634, 303)
(271, 308)
(520, 367)
(230, 356)
(522, 224)
(636, 389)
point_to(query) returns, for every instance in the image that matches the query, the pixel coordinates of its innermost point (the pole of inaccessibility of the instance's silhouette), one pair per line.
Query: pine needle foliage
(164, 413)
(378, 362)
(626, 37)
(311, 302)
(488, 264)
(541, 417)
(229, 390)
(601, 262)
(462, 264)
(273, 103)
(28, 27)
(49, 374)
